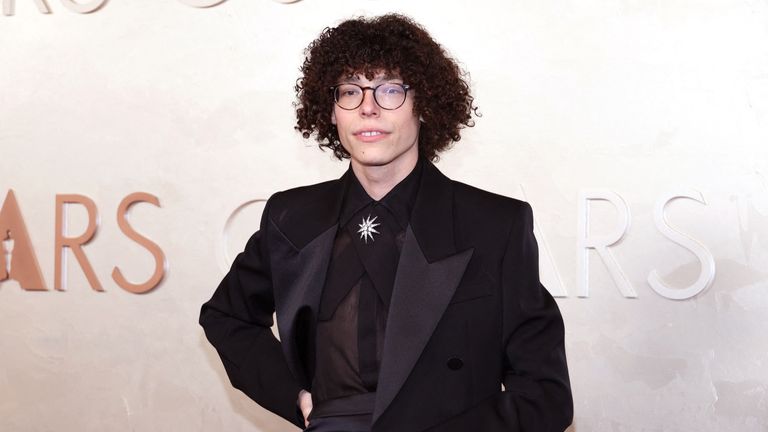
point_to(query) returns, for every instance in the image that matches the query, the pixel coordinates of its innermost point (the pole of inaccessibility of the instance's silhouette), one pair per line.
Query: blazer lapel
(428, 273)
(302, 252)
(298, 279)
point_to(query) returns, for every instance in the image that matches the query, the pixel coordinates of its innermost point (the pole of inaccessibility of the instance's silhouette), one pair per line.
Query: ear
(333, 116)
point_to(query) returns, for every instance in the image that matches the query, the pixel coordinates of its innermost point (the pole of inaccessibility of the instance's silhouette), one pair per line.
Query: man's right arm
(237, 321)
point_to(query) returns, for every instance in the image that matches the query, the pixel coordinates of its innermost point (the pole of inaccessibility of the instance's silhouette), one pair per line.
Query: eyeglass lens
(388, 95)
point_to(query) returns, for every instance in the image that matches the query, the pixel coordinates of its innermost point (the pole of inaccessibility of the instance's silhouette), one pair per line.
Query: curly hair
(390, 43)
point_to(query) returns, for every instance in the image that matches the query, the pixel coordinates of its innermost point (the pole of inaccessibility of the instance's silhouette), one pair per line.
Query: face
(374, 136)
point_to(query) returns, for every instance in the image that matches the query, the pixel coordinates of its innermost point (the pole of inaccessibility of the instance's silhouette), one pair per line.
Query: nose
(369, 107)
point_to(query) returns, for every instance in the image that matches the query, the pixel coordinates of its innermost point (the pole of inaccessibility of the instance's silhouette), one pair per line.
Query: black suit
(467, 313)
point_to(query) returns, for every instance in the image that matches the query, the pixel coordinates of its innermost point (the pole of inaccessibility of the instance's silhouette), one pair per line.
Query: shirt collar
(399, 201)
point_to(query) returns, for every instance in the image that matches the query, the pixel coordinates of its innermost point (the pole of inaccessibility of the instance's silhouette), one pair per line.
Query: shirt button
(455, 364)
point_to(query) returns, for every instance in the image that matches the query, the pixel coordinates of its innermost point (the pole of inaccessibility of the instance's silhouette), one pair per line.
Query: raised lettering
(600, 243)
(17, 257)
(152, 247)
(9, 7)
(707, 273)
(74, 243)
(83, 8)
(202, 3)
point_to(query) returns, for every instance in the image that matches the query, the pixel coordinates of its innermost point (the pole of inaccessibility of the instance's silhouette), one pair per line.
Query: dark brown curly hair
(390, 43)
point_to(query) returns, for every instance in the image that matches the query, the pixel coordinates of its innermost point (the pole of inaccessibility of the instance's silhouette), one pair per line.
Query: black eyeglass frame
(405, 88)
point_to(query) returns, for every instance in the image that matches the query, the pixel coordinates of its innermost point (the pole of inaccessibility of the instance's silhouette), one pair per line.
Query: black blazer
(467, 313)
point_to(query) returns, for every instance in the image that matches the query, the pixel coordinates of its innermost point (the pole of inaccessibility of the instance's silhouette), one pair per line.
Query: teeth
(369, 134)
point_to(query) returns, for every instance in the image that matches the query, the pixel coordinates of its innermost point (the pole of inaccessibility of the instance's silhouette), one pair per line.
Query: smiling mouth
(371, 133)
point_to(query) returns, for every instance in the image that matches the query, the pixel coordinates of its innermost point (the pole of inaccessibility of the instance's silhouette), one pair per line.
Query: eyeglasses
(389, 96)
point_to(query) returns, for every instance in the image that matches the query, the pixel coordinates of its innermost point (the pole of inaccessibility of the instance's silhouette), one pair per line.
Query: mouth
(370, 135)
(370, 132)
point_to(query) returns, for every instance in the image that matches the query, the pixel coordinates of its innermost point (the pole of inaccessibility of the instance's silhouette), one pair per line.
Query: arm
(237, 321)
(537, 395)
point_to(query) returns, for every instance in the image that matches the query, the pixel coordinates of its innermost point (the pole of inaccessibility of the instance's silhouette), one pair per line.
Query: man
(404, 300)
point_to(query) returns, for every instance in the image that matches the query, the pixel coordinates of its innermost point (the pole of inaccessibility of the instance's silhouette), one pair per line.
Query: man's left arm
(537, 395)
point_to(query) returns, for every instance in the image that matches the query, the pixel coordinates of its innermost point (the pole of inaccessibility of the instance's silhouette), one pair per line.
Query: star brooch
(368, 228)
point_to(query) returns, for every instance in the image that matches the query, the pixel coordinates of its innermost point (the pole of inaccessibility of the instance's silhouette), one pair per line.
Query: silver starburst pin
(368, 228)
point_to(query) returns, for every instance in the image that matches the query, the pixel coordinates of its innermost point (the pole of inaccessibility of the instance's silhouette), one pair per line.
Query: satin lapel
(421, 294)
(298, 279)
(301, 251)
(428, 273)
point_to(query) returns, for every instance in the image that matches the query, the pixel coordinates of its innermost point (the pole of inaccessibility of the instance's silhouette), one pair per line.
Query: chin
(374, 161)
(374, 158)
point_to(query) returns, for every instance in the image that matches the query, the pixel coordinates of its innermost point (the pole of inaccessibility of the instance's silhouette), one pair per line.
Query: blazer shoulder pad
(479, 200)
(304, 212)
(303, 194)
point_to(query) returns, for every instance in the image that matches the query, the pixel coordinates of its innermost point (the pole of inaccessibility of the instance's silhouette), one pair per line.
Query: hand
(305, 405)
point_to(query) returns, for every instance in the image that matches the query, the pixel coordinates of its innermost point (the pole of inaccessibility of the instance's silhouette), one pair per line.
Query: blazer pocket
(475, 288)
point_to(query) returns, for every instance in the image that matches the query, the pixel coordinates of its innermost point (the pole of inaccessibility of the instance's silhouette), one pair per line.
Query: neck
(378, 180)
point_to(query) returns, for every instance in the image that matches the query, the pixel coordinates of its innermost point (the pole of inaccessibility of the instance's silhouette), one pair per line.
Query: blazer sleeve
(537, 393)
(237, 321)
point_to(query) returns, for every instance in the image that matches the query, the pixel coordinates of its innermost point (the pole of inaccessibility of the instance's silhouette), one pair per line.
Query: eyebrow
(386, 77)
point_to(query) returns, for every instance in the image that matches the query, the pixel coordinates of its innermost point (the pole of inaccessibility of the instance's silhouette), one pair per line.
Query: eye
(348, 91)
(391, 89)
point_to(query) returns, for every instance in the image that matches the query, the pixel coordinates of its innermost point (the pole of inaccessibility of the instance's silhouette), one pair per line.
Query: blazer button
(455, 364)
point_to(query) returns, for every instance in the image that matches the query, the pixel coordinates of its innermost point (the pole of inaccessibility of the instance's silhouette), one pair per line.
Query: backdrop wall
(629, 103)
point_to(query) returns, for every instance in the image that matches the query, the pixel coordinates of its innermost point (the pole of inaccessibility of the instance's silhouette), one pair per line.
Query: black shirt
(355, 300)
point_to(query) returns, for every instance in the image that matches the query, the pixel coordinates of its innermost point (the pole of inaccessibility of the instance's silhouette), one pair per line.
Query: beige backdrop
(193, 105)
